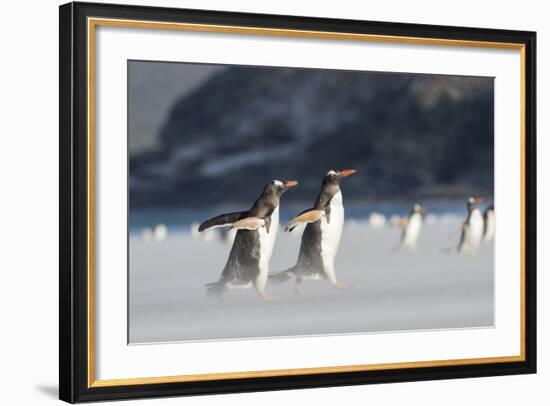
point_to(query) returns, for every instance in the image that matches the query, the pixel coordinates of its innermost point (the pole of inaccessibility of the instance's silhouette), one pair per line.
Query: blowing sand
(389, 290)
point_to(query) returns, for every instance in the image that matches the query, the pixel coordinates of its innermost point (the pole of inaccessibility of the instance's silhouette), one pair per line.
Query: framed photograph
(258, 202)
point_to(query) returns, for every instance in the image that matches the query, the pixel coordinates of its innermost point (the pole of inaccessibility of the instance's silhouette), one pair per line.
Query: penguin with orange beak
(411, 229)
(472, 228)
(321, 237)
(248, 262)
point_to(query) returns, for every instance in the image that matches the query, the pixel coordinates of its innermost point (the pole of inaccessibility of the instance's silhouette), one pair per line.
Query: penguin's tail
(282, 276)
(216, 289)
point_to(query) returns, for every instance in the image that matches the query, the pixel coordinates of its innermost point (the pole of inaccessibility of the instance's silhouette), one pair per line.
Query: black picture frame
(74, 200)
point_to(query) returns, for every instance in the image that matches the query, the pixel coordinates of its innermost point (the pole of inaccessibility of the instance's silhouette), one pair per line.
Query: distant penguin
(472, 228)
(489, 224)
(411, 230)
(430, 219)
(248, 262)
(147, 234)
(321, 236)
(160, 232)
(207, 235)
(376, 220)
(397, 221)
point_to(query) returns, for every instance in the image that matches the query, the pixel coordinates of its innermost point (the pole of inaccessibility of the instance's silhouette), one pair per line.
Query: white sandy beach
(388, 290)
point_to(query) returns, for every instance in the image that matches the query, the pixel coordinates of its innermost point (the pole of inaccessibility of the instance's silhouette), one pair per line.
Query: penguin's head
(270, 197)
(335, 177)
(278, 187)
(473, 201)
(417, 208)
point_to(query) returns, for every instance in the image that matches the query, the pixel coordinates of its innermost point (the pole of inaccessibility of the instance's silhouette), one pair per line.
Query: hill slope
(407, 135)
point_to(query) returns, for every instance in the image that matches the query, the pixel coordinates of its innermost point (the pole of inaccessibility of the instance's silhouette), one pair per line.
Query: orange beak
(347, 172)
(290, 183)
(478, 199)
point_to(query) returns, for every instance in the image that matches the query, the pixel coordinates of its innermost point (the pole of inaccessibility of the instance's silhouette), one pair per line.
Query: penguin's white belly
(412, 231)
(489, 227)
(267, 242)
(331, 233)
(473, 233)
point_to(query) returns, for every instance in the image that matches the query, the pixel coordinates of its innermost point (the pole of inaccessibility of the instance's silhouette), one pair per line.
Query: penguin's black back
(309, 259)
(243, 264)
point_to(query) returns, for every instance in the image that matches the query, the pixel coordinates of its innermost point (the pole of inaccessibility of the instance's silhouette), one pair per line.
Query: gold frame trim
(94, 22)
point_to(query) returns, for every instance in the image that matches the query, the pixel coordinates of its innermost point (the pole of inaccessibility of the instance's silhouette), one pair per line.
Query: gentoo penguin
(411, 229)
(248, 260)
(489, 224)
(472, 228)
(321, 236)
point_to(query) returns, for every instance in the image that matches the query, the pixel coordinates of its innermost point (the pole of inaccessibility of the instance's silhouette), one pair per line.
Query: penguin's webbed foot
(339, 285)
(266, 297)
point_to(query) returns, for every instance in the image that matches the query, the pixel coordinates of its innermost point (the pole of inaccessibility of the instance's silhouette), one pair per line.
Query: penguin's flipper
(249, 223)
(223, 220)
(309, 216)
